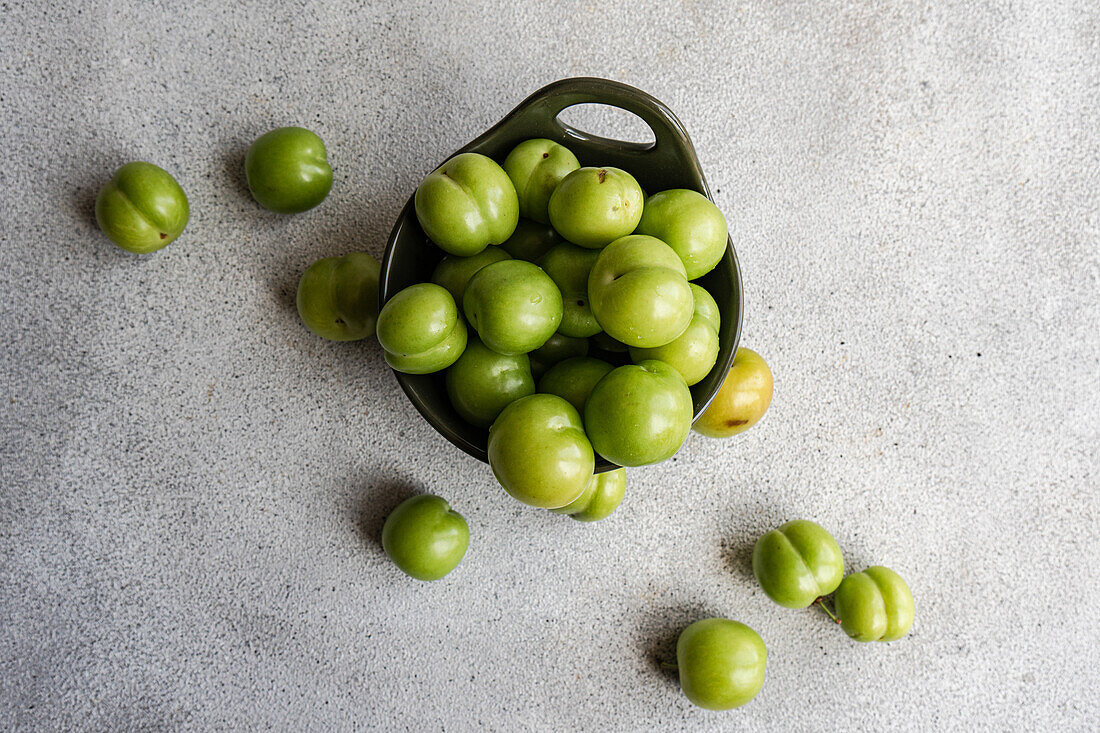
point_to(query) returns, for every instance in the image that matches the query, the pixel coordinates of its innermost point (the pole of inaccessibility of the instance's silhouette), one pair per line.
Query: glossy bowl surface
(668, 162)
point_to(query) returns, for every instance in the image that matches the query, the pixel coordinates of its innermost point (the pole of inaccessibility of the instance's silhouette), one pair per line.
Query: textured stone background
(192, 486)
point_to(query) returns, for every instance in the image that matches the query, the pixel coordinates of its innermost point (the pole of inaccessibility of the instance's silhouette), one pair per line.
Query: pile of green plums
(542, 261)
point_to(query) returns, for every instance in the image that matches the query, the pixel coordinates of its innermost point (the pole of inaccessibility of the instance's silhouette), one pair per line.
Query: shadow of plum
(376, 504)
(662, 633)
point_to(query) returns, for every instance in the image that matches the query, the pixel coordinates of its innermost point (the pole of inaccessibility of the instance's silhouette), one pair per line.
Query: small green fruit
(797, 563)
(600, 498)
(288, 170)
(425, 537)
(721, 663)
(142, 208)
(338, 297)
(875, 605)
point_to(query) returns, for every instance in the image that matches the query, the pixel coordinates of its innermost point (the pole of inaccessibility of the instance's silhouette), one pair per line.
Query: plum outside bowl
(668, 162)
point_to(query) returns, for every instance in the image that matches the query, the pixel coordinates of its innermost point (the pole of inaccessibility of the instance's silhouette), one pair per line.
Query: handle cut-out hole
(606, 121)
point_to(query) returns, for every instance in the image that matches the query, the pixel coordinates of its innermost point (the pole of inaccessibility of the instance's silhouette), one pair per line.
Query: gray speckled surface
(192, 486)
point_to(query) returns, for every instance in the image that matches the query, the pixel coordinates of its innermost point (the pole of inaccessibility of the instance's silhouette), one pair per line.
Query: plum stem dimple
(821, 602)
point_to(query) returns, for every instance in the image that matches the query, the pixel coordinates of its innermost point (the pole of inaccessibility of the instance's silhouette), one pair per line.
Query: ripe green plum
(539, 452)
(467, 204)
(721, 663)
(513, 305)
(425, 537)
(530, 240)
(482, 382)
(142, 208)
(569, 266)
(559, 347)
(639, 414)
(601, 497)
(287, 170)
(573, 379)
(536, 167)
(694, 352)
(338, 297)
(875, 605)
(592, 207)
(639, 292)
(454, 272)
(421, 330)
(797, 563)
(691, 224)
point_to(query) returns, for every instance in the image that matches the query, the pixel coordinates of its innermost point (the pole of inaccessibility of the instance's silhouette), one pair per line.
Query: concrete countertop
(192, 485)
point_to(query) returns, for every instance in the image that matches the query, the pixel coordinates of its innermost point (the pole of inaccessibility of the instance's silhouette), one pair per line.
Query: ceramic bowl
(668, 162)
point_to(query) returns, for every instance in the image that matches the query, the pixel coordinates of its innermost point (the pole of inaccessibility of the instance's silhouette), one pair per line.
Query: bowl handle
(671, 156)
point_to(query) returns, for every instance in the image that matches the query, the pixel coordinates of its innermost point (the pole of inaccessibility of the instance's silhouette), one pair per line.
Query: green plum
(338, 297)
(691, 224)
(467, 204)
(287, 170)
(142, 208)
(539, 453)
(425, 537)
(482, 382)
(454, 273)
(573, 379)
(536, 167)
(513, 305)
(721, 663)
(694, 352)
(594, 206)
(742, 399)
(639, 414)
(530, 241)
(601, 497)
(705, 305)
(556, 348)
(568, 266)
(875, 605)
(639, 292)
(797, 563)
(559, 347)
(420, 329)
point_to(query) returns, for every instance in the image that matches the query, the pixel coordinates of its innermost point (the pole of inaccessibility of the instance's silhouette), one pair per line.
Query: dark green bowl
(668, 162)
